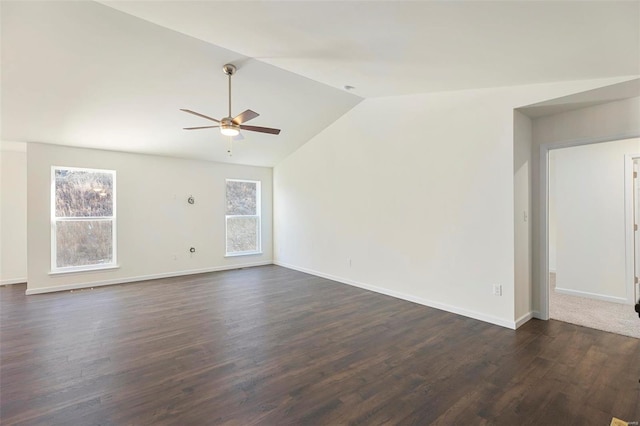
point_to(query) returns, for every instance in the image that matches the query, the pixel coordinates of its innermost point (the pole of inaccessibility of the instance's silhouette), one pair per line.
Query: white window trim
(258, 215)
(88, 268)
(83, 268)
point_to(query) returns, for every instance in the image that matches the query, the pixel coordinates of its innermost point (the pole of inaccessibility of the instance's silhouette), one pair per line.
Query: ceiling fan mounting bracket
(229, 69)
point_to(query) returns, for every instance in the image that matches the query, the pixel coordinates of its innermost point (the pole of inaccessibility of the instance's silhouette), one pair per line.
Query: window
(243, 217)
(83, 219)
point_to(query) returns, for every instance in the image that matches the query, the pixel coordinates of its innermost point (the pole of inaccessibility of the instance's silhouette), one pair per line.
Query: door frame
(543, 202)
(629, 221)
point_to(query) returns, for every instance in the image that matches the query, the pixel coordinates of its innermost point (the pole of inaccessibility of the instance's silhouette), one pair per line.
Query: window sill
(77, 271)
(251, 253)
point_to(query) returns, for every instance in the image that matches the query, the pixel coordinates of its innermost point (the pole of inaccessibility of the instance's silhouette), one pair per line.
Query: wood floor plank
(272, 346)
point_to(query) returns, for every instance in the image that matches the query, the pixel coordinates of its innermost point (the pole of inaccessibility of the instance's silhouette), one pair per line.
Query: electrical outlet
(497, 290)
(349, 262)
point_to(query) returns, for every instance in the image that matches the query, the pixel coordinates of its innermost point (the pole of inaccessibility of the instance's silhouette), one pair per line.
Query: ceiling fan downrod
(229, 70)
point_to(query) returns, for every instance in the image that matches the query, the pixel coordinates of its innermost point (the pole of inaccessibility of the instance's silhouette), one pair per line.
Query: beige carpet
(607, 316)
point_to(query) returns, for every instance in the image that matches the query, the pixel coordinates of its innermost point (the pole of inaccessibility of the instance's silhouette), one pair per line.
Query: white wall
(522, 211)
(156, 225)
(600, 121)
(412, 196)
(13, 213)
(608, 121)
(590, 219)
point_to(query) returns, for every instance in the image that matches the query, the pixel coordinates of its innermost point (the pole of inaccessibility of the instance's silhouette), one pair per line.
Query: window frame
(258, 216)
(54, 221)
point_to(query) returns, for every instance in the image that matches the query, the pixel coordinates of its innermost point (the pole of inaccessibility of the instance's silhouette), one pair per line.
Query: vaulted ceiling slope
(84, 74)
(388, 48)
(113, 74)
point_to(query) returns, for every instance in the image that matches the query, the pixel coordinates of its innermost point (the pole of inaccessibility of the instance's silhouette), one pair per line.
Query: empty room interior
(319, 212)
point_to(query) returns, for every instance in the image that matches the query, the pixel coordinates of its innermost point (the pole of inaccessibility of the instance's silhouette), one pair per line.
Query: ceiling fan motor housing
(228, 127)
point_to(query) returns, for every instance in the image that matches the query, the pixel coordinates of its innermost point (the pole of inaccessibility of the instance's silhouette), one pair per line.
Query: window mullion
(83, 218)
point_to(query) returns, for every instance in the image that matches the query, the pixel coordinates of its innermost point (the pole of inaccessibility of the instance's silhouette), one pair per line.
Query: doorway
(590, 235)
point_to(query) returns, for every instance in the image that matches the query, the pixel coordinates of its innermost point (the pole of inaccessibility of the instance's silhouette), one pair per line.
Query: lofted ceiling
(113, 75)
(389, 48)
(84, 74)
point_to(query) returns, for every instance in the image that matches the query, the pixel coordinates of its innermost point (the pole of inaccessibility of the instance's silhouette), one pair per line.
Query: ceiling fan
(232, 126)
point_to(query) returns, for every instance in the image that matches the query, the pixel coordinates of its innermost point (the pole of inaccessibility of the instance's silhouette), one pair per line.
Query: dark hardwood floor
(272, 346)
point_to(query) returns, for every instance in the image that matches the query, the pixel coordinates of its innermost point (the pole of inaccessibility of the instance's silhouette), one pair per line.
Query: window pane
(241, 198)
(242, 234)
(82, 193)
(80, 243)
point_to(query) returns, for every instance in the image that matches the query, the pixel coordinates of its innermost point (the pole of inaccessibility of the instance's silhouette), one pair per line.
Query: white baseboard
(604, 297)
(13, 281)
(538, 315)
(410, 298)
(523, 319)
(78, 286)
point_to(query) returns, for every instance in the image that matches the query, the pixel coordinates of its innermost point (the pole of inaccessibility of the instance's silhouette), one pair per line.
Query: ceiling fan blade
(245, 116)
(261, 129)
(201, 127)
(199, 115)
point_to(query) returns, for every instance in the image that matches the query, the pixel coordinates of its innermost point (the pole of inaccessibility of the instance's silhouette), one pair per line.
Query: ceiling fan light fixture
(229, 131)
(228, 127)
